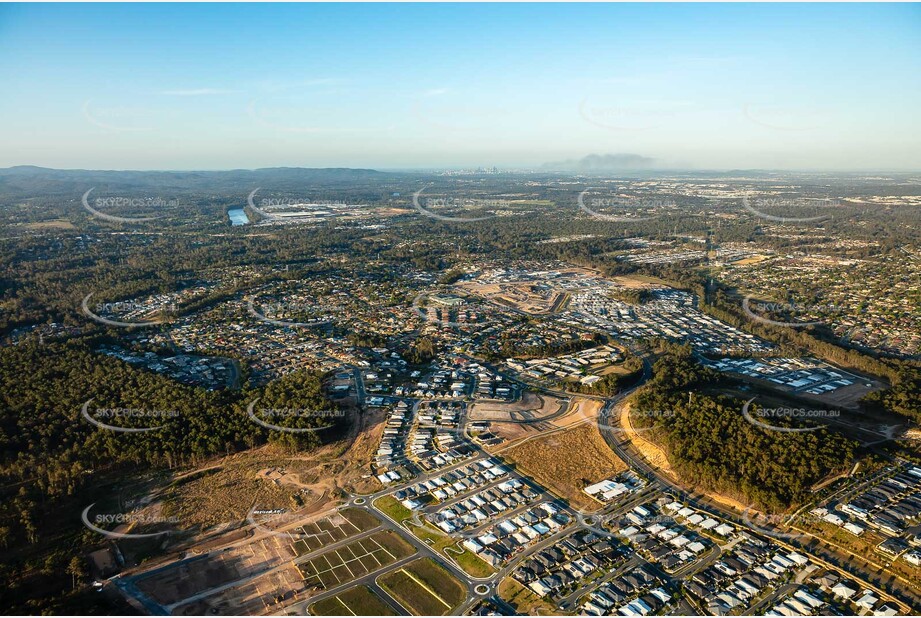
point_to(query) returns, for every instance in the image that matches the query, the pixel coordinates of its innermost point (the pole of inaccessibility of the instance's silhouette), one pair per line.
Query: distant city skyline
(194, 87)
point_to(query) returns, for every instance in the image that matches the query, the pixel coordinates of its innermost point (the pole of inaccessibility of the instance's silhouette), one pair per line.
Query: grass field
(525, 601)
(355, 559)
(425, 588)
(392, 507)
(439, 541)
(332, 528)
(567, 461)
(472, 564)
(750, 260)
(436, 539)
(52, 224)
(357, 601)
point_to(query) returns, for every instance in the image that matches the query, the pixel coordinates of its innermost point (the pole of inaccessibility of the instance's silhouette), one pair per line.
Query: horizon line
(504, 169)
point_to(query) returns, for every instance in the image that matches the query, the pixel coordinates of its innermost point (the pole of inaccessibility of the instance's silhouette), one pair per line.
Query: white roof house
(867, 601)
(843, 591)
(723, 530)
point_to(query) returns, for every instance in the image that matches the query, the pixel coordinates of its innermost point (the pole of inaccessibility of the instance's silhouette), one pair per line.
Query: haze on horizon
(179, 87)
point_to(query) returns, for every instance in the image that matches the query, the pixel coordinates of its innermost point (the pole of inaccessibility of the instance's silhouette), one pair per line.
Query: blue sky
(216, 86)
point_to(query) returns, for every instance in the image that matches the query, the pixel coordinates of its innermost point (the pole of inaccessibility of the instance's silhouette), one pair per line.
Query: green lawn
(472, 564)
(425, 588)
(392, 507)
(435, 538)
(438, 540)
(361, 600)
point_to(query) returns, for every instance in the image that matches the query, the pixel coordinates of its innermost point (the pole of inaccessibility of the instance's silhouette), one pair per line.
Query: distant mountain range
(26, 180)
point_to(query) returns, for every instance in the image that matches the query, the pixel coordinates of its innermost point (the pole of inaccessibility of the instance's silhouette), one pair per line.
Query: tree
(76, 569)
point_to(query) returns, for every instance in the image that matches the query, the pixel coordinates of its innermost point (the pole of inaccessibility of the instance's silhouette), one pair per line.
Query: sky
(691, 86)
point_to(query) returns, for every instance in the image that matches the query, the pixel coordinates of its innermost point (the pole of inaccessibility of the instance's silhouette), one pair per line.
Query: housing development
(363, 409)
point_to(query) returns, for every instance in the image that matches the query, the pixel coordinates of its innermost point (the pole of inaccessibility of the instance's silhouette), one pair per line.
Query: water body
(238, 216)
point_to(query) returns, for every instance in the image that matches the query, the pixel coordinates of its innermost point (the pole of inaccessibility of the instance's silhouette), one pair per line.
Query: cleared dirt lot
(522, 296)
(259, 575)
(268, 594)
(332, 528)
(567, 461)
(637, 282)
(182, 580)
(225, 493)
(848, 396)
(582, 410)
(358, 477)
(531, 407)
(650, 451)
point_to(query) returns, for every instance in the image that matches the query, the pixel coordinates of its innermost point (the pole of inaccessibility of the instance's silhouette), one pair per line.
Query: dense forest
(710, 445)
(53, 462)
(903, 398)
